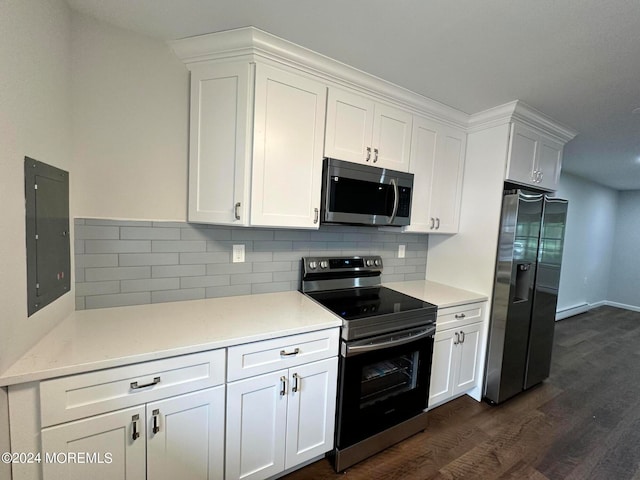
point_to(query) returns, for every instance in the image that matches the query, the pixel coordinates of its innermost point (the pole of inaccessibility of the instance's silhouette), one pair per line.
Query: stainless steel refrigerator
(525, 293)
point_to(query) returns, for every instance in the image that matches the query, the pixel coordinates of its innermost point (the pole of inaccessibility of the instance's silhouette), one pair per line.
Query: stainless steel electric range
(385, 354)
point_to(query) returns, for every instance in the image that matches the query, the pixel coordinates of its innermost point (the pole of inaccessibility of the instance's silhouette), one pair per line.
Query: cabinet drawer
(77, 396)
(455, 317)
(261, 357)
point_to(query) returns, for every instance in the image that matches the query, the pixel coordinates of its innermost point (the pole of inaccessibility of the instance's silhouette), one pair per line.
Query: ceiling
(577, 61)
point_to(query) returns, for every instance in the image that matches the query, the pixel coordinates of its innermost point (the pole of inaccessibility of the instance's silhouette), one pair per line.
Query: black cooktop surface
(363, 302)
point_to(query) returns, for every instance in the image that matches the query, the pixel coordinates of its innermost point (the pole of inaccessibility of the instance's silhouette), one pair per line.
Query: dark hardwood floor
(582, 423)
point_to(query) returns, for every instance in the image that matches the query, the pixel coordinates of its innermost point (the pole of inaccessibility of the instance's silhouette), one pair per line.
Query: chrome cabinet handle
(375, 158)
(457, 339)
(534, 176)
(437, 223)
(461, 336)
(237, 207)
(541, 173)
(156, 427)
(316, 215)
(368, 154)
(288, 354)
(135, 434)
(283, 386)
(459, 315)
(135, 386)
(296, 384)
(433, 223)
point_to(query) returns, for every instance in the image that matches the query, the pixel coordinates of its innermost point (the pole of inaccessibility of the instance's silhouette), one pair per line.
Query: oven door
(383, 381)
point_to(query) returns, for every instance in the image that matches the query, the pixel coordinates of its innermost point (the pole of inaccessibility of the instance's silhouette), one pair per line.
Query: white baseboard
(585, 307)
(571, 311)
(624, 306)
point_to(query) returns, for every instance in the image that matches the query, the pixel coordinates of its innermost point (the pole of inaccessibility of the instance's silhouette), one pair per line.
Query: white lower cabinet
(156, 420)
(456, 353)
(280, 419)
(177, 437)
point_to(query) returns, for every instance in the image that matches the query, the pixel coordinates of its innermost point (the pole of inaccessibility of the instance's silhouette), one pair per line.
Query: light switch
(401, 249)
(238, 253)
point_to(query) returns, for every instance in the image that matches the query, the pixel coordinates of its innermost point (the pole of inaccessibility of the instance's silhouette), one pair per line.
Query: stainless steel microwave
(365, 195)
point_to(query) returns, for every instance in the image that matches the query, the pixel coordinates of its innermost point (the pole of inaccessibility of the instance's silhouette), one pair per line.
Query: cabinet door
(311, 410)
(523, 153)
(443, 367)
(424, 142)
(391, 138)
(437, 162)
(349, 127)
(549, 163)
(106, 442)
(469, 350)
(446, 187)
(188, 438)
(289, 120)
(219, 153)
(256, 426)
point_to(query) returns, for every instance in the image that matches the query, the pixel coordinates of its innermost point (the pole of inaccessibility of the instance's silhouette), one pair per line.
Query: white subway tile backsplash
(121, 262)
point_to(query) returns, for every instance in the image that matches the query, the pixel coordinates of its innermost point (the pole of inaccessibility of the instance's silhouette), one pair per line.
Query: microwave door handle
(395, 200)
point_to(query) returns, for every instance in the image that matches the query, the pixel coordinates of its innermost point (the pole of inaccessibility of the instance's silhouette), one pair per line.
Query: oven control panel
(371, 263)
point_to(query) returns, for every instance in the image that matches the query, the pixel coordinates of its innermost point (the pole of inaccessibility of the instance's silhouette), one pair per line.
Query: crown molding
(523, 113)
(255, 43)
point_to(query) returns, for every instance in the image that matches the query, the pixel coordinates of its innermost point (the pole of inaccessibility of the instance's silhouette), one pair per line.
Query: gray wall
(588, 246)
(131, 262)
(625, 266)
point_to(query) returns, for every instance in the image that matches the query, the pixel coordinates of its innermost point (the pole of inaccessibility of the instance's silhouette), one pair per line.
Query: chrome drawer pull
(285, 354)
(460, 315)
(135, 386)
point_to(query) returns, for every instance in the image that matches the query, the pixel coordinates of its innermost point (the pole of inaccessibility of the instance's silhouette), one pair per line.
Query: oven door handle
(387, 341)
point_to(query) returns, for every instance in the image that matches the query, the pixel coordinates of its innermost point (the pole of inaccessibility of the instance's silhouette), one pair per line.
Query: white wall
(34, 121)
(130, 125)
(625, 264)
(588, 245)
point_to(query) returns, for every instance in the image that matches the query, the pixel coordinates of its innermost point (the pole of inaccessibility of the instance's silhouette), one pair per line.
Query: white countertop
(108, 337)
(437, 293)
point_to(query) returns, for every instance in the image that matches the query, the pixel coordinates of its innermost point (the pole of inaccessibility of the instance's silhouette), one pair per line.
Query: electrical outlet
(401, 249)
(238, 253)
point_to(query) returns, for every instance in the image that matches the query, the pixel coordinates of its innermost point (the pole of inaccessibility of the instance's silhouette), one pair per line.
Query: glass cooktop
(363, 302)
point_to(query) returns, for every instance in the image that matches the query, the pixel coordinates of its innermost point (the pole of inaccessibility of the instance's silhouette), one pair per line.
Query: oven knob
(324, 264)
(312, 265)
(378, 262)
(369, 262)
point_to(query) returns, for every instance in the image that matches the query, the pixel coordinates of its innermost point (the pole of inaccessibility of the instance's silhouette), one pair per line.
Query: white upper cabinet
(437, 162)
(256, 141)
(361, 130)
(534, 158)
(287, 149)
(219, 143)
